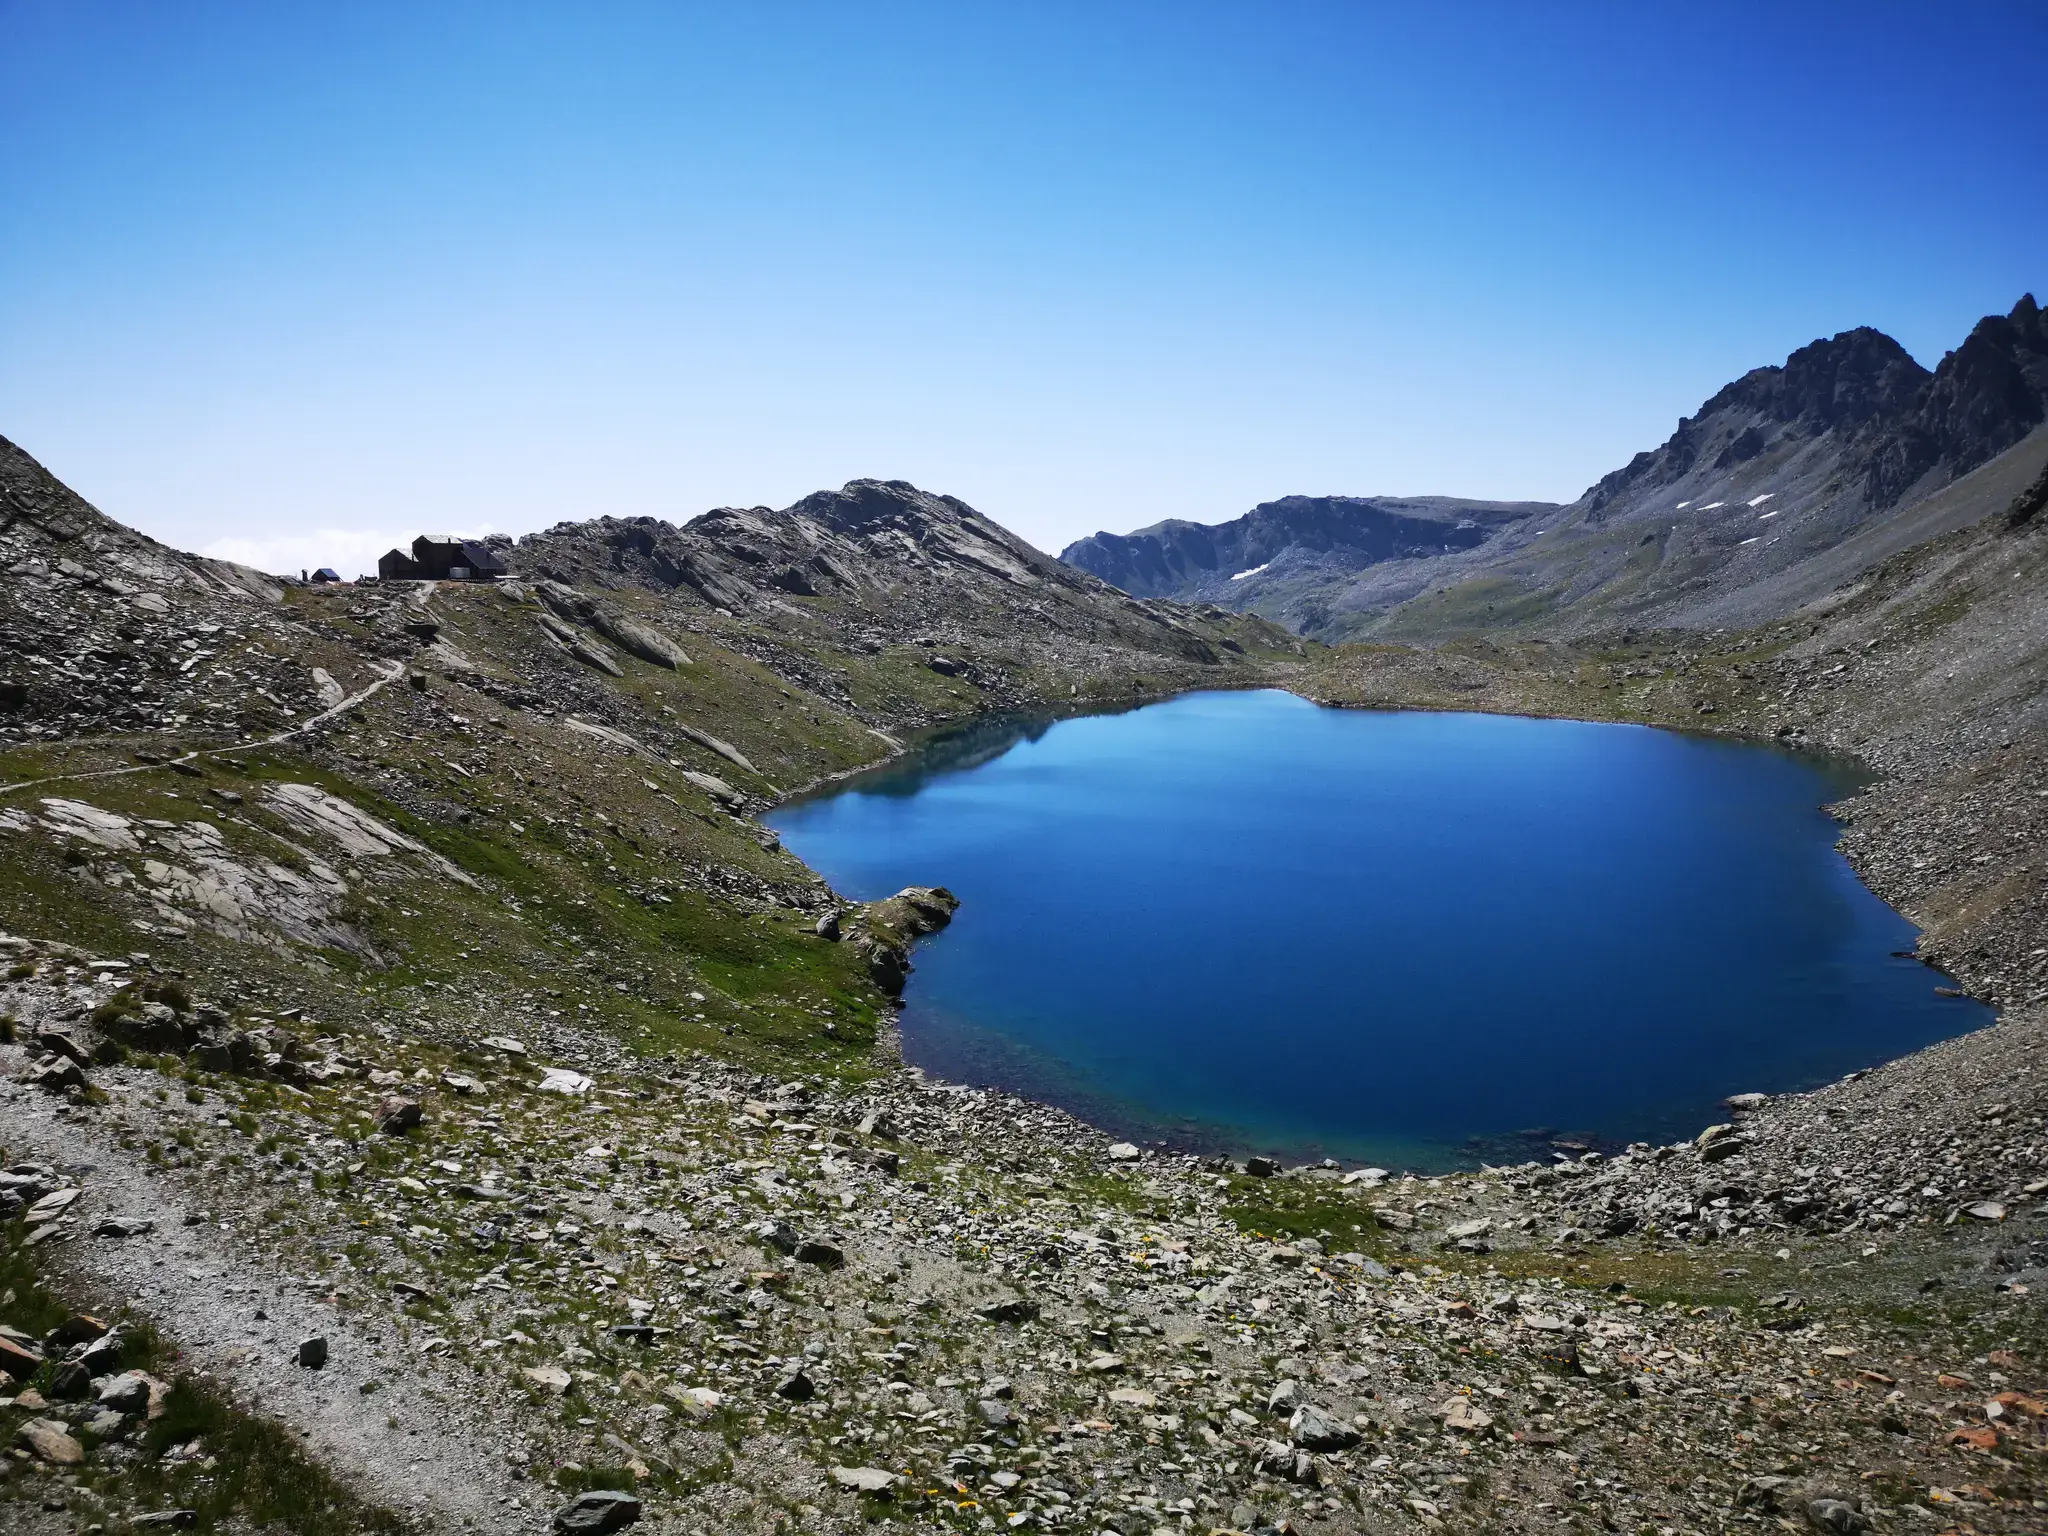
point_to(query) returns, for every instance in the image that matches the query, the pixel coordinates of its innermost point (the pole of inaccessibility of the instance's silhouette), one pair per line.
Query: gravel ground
(238, 1319)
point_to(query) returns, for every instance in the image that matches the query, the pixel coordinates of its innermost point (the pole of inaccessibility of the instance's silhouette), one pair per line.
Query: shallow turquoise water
(1239, 920)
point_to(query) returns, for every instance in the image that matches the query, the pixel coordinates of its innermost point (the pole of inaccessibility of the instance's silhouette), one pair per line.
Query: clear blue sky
(288, 280)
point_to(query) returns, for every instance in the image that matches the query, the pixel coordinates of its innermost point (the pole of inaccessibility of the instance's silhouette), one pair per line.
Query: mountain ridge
(1288, 541)
(1775, 468)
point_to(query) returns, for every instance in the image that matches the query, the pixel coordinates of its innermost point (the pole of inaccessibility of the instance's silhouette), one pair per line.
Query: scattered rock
(48, 1440)
(869, 1480)
(817, 1250)
(1837, 1516)
(396, 1116)
(1466, 1417)
(1015, 1310)
(796, 1386)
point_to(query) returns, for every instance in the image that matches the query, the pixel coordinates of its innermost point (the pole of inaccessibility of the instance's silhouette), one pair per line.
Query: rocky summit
(430, 1100)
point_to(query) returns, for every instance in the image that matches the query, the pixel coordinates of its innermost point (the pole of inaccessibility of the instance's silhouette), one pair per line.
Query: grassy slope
(607, 888)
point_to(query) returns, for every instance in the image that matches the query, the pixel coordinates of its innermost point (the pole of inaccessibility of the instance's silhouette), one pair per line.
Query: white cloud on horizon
(352, 552)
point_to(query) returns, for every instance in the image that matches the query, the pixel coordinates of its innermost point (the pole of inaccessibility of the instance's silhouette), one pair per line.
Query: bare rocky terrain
(433, 1100)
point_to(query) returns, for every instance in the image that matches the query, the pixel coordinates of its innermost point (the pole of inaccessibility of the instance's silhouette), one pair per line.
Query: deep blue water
(1241, 921)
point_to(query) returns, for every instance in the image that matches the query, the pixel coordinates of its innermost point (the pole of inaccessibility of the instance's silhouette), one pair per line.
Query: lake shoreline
(1098, 1101)
(1884, 826)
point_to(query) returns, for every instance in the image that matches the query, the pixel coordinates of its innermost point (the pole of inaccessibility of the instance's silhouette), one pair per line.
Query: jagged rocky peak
(1845, 451)
(1856, 385)
(1852, 379)
(62, 528)
(1982, 398)
(888, 520)
(1889, 424)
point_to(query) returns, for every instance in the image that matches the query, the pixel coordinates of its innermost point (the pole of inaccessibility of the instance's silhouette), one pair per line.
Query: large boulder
(1317, 1429)
(716, 788)
(649, 645)
(19, 1358)
(914, 911)
(869, 1480)
(129, 1392)
(50, 1440)
(396, 1115)
(152, 1027)
(601, 1509)
(57, 1073)
(61, 1043)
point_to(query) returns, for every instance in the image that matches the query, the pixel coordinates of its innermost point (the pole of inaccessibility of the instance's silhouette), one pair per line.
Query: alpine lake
(1242, 922)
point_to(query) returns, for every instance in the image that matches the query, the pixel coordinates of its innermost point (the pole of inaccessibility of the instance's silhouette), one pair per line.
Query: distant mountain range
(1296, 544)
(1783, 486)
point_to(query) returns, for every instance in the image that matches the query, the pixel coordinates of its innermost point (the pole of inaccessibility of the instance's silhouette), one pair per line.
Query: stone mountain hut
(441, 557)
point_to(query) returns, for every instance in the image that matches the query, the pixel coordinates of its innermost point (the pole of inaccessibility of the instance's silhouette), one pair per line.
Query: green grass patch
(1285, 1209)
(261, 1476)
(577, 1479)
(24, 1302)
